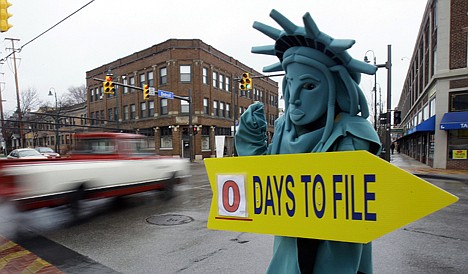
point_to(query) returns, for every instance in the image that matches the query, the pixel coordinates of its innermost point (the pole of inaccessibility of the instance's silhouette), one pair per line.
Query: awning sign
(454, 121)
(342, 196)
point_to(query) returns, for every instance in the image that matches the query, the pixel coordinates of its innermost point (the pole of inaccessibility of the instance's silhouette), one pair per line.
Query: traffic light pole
(139, 88)
(389, 103)
(191, 136)
(187, 99)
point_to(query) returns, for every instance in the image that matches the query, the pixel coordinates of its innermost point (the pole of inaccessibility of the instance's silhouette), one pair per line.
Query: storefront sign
(459, 154)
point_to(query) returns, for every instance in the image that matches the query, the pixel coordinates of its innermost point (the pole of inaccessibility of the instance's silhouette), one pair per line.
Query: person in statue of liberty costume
(325, 110)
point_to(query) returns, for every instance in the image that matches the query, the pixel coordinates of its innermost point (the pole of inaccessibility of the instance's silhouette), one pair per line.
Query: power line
(44, 32)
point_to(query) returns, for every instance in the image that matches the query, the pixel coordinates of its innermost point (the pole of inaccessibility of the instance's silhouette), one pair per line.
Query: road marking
(16, 259)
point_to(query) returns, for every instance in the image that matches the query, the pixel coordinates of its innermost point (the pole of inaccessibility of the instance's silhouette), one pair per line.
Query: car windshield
(45, 150)
(25, 153)
(93, 146)
(108, 146)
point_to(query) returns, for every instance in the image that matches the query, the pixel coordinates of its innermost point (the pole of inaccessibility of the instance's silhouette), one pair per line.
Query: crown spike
(358, 66)
(269, 50)
(288, 26)
(273, 68)
(341, 44)
(267, 30)
(311, 28)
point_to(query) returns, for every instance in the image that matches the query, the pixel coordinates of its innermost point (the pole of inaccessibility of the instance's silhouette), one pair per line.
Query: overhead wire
(44, 32)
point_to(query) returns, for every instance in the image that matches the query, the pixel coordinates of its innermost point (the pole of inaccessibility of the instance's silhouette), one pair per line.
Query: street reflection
(17, 224)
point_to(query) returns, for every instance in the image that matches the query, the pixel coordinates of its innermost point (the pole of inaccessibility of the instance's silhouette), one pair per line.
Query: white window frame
(185, 73)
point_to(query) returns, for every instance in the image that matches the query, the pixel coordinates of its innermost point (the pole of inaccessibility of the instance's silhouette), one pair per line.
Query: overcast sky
(107, 30)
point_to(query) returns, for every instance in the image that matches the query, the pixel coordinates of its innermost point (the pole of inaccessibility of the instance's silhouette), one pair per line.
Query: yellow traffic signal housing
(146, 92)
(4, 15)
(246, 82)
(109, 87)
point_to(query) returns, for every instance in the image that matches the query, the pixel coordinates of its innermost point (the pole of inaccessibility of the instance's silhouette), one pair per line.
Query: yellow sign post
(342, 196)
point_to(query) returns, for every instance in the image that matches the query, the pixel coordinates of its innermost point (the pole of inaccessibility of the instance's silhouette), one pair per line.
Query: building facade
(434, 99)
(186, 68)
(48, 127)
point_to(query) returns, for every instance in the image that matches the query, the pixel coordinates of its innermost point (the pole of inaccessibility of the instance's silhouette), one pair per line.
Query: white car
(25, 153)
(48, 152)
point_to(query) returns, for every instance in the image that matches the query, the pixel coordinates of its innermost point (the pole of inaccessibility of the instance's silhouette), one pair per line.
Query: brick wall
(458, 33)
(171, 54)
(457, 164)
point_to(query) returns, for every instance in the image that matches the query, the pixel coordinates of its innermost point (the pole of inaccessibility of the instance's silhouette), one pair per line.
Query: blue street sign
(166, 94)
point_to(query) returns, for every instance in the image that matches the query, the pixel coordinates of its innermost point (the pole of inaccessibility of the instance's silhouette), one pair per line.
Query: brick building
(434, 99)
(41, 127)
(181, 66)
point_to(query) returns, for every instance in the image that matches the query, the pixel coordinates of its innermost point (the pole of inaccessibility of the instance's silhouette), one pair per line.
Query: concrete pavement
(419, 169)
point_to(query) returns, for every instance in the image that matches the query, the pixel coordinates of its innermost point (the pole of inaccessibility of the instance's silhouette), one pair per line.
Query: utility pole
(3, 120)
(18, 105)
(389, 103)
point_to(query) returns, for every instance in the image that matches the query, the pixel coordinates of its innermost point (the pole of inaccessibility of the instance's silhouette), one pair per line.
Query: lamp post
(57, 148)
(375, 86)
(388, 66)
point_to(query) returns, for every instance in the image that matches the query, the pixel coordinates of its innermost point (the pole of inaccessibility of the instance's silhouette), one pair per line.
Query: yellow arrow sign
(342, 196)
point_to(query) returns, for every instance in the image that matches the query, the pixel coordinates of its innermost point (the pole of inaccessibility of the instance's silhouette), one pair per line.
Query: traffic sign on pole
(152, 91)
(349, 196)
(166, 94)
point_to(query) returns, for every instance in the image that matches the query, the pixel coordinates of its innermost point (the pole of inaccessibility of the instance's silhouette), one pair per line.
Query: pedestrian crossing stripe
(16, 259)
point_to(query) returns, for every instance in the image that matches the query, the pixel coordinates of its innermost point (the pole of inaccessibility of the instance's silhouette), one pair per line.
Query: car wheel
(168, 189)
(75, 201)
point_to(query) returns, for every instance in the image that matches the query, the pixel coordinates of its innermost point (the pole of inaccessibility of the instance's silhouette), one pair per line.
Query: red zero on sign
(227, 187)
(231, 195)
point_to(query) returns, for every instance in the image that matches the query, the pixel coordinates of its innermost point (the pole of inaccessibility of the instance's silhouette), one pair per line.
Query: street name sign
(165, 94)
(349, 196)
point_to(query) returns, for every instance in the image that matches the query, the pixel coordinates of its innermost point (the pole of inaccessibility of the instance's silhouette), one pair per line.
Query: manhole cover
(169, 219)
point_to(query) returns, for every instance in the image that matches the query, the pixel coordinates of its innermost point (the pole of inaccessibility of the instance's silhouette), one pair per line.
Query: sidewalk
(409, 164)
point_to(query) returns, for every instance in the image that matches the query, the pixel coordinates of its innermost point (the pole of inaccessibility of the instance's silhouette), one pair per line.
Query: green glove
(251, 136)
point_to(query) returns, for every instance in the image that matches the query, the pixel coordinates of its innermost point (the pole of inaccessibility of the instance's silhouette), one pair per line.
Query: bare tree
(30, 99)
(74, 95)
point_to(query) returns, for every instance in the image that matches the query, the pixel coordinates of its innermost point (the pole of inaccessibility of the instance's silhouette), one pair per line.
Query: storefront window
(431, 147)
(166, 137)
(459, 101)
(205, 143)
(457, 144)
(205, 146)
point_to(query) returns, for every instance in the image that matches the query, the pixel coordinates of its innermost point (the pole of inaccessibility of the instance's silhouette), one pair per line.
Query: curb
(441, 177)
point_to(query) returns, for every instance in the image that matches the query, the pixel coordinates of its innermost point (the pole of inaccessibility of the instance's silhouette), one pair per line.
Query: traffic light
(246, 82)
(383, 118)
(108, 85)
(4, 15)
(396, 117)
(195, 130)
(146, 92)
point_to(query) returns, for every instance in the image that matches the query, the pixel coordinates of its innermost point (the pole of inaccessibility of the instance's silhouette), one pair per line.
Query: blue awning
(428, 125)
(454, 120)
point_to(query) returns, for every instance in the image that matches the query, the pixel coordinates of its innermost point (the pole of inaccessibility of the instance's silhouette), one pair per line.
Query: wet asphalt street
(145, 234)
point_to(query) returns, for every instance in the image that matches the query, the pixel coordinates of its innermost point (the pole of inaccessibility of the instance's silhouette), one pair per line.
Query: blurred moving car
(25, 153)
(100, 165)
(47, 151)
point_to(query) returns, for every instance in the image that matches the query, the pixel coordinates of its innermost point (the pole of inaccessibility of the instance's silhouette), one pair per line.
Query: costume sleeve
(350, 143)
(251, 137)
